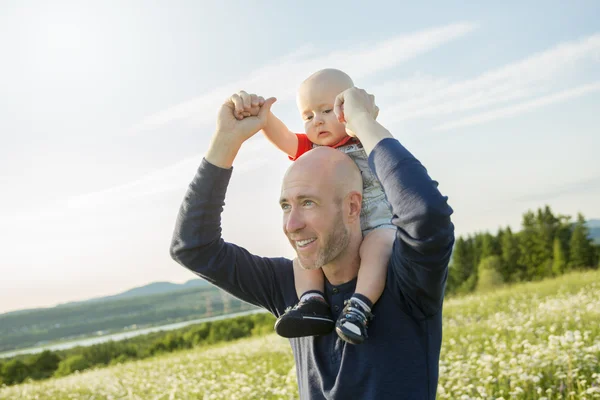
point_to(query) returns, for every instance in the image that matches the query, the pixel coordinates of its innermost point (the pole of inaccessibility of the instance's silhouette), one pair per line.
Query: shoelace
(295, 307)
(352, 309)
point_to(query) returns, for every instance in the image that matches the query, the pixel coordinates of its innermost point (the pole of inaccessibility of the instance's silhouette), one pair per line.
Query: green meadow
(538, 340)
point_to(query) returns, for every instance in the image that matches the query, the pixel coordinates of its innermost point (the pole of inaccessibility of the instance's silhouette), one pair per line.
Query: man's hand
(242, 115)
(246, 105)
(356, 108)
(234, 127)
(352, 104)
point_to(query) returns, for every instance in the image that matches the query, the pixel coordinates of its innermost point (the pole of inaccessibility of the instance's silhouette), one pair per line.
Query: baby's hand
(246, 105)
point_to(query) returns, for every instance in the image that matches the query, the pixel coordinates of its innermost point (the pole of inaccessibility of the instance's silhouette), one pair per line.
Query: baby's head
(315, 99)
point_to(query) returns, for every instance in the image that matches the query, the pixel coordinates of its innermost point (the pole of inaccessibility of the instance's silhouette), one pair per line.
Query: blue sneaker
(351, 325)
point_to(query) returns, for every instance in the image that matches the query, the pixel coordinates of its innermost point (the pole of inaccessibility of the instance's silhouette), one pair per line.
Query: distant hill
(155, 304)
(146, 290)
(594, 227)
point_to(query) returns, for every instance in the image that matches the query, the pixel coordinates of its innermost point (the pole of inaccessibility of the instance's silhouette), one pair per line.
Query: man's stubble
(334, 244)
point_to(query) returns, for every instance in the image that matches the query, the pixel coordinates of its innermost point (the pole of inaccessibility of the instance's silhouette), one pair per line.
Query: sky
(107, 108)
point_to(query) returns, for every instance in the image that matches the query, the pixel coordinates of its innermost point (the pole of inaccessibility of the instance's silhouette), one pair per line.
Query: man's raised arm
(197, 242)
(425, 234)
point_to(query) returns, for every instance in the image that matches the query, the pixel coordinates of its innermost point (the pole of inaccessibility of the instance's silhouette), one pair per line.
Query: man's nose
(294, 221)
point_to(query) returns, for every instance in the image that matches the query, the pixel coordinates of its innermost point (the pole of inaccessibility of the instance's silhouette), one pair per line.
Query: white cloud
(173, 177)
(281, 77)
(161, 180)
(428, 96)
(521, 107)
(536, 75)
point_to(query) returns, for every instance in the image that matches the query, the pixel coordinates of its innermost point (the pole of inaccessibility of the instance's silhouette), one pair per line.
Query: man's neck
(345, 267)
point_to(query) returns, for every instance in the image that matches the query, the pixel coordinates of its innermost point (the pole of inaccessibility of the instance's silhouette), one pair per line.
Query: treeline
(548, 245)
(29, 328)
(61, 363)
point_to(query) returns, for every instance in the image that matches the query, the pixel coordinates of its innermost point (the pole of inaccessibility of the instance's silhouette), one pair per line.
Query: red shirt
(304, 144)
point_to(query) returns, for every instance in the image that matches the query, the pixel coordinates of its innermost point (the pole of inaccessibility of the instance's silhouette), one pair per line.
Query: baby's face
(315, 103)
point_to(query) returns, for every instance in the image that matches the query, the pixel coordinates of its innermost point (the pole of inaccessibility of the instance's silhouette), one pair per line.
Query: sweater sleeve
(197, 245)
(425, 233)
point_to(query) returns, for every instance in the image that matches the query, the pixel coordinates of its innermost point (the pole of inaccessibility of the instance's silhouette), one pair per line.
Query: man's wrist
(361, 122)
(223, 149)
(369, 132)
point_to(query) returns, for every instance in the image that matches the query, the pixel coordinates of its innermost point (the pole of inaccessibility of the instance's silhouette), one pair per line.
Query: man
(320, 200)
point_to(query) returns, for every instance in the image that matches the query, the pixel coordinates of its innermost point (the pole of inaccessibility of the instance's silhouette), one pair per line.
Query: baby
(312, 314)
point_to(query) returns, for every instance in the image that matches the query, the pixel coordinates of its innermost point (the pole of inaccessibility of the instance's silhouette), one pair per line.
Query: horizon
(104, 297)
(595, 220)
(106, 127)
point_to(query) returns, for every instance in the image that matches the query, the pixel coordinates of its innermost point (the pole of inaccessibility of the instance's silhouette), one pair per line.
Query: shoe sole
(349, 337)
(305, 326)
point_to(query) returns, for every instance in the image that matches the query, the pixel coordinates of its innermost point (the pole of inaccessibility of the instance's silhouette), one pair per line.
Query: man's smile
(305, 242)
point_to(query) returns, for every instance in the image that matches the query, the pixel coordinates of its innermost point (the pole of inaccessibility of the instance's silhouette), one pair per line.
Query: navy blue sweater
(401, 356)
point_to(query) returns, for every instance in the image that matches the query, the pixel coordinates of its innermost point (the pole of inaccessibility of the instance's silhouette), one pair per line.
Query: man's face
(313, 220)
(315, 102)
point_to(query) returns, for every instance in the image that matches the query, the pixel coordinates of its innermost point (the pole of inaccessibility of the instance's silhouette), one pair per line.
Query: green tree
(546, 226)
(174, 341)
(462, 265)
(489, 246)
(44, 364)
(559, 259)
(103, 353)
(15, 371)
(476, 249)
(71, 364)
(510, 257)
(530, 258)
(580, 246)
(564, 235)
(499, 237)
(158, 348)
(488, 276)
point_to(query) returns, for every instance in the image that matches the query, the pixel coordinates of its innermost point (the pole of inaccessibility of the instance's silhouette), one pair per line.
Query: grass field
(533, 341)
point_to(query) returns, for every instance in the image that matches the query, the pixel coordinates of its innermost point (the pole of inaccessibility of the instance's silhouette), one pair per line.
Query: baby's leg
(311, 316)
(375, 252)
(308, 281)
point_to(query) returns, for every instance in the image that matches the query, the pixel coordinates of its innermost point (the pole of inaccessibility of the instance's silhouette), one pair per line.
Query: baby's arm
(279, 134)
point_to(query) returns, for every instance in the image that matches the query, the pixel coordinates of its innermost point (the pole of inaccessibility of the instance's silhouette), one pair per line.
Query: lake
(122, 335)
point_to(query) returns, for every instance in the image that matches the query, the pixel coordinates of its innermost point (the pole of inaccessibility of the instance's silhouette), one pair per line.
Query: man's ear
(355, 203)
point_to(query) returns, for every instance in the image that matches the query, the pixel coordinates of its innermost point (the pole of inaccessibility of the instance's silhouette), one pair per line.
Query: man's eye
(285, 207)
(308, 203)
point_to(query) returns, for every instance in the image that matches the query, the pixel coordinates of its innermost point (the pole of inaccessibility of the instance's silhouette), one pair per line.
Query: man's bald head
(321, 198)
(330, 169)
